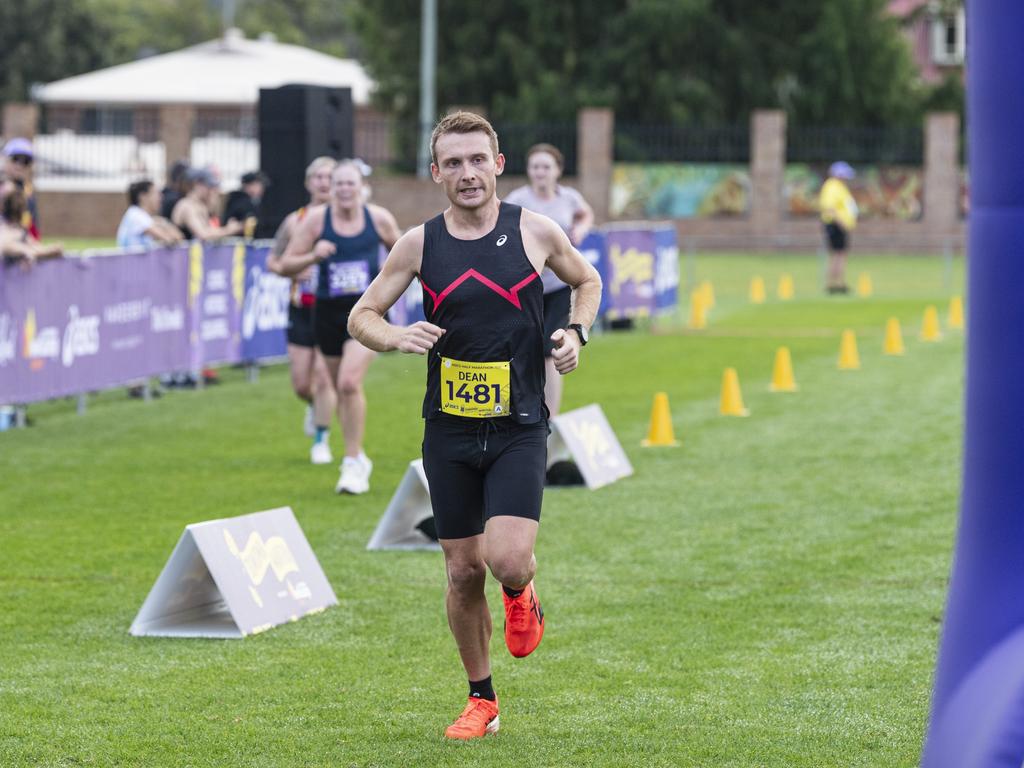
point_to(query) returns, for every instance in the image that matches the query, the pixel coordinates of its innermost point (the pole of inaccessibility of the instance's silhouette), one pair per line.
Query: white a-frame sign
(236, 577)
(586, 436)
(408, 522)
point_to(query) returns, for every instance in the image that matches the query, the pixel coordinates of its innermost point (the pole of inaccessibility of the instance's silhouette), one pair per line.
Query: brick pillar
(176, 130)
(20, 119)
(767, 165)
(595, 134)
(941, 175)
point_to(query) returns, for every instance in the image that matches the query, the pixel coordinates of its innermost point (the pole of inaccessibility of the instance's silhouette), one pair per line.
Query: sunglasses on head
(21, 159)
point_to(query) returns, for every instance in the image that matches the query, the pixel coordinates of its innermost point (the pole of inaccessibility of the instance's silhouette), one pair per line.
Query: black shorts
(330, 324)
(481, 468)
(300, 326)
(556, 315)
(838, 239)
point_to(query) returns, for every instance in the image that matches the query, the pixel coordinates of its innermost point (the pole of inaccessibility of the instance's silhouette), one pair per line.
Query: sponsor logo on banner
(39, 344)
(166, 319)
(8, 339)
(266, 303)
(666, 276)
(126, 312)
(632, 266)
(81, 336)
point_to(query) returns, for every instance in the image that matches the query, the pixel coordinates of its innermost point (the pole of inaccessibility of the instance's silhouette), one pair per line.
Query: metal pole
(428, 76)
(947, 276)
(81, 405)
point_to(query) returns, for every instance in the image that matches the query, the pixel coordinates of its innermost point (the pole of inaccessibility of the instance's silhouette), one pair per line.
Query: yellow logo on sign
(259, 556)
(476, 390)
(631, 266)
(595, 443)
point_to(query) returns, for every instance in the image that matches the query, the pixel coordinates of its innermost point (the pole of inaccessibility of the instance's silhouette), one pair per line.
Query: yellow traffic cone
(786, 287)
(709, 294)
(849, 360)
(698, 311)
(893, 338)
(660, 434)
(930, 325)
(757, 290)
(864, 285)
(782, 373)
(732, 399)
(956, 313)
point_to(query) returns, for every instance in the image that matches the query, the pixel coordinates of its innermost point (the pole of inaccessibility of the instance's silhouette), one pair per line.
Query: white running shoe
(308, 424)
(367, 465)
(355, 478)
(320, 453)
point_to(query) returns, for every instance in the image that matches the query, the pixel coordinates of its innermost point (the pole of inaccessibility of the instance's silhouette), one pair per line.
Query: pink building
(937, 33)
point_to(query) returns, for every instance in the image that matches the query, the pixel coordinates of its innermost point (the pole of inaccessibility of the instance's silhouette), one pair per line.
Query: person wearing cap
(244, 204)
(18, 159)
(839, 215)
(191, 214)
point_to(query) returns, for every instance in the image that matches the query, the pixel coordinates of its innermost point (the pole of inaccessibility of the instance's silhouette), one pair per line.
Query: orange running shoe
(524, 622)
(479, 718)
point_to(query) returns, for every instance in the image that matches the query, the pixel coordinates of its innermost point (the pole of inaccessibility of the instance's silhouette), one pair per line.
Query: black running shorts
(556, 315)
(300, 326)
(330, 324)
(838, 240)
(481, 468)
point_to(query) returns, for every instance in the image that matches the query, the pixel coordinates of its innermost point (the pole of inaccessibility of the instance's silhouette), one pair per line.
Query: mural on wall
(679, 190)
(881, 192)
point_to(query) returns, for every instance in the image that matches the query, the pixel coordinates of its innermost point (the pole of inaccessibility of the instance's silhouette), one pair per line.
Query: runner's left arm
(571, 268)
(386, 225)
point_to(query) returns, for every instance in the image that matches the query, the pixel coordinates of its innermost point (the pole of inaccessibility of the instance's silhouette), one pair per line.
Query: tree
(706, 61)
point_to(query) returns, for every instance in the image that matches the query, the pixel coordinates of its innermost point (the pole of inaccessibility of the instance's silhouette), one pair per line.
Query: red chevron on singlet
(510, 295)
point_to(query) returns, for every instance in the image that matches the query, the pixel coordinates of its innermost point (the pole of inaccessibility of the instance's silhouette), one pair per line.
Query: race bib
(476, 390)
(347, 278)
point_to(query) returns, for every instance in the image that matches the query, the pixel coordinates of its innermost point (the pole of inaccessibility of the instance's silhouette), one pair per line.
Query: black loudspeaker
(298, 123)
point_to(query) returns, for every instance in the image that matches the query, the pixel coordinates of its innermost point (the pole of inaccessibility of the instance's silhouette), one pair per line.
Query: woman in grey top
(567, 208)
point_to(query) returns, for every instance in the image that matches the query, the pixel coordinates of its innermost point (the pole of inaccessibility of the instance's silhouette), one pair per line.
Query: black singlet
(489, 299)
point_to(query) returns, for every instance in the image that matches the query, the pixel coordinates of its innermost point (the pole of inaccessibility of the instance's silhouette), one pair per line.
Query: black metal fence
(671, 143)
(884, 145)
(391, 145)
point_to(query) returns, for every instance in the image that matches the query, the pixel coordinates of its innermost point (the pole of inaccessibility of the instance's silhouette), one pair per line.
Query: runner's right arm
(366, 322)
(303, 249)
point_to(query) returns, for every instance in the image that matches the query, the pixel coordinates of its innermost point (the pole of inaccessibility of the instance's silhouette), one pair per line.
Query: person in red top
(311, 380)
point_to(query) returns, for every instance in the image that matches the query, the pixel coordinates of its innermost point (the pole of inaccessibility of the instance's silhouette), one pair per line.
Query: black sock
(482, 689)
(513, 593)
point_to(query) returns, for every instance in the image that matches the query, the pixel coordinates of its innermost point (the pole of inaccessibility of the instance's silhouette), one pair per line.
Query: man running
(344, 238)
(311, 381)
(485, 437)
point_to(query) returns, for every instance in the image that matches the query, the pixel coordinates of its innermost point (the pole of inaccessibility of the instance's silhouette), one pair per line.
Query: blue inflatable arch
(977, 718)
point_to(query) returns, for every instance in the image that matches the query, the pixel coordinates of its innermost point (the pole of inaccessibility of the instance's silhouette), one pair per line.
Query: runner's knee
(466, 577)
(349, 386)
(512, 568)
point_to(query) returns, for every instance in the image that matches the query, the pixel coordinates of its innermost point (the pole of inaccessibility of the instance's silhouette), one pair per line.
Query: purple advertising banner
(74, 325)
(629, 274)
(666, 270)
(265, 308)
(216, 287)
(641, 275)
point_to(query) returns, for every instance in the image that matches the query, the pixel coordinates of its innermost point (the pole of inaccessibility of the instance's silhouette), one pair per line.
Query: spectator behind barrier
(140, 226)
(192, 213)
(16, 242)
(243, 204)
(177, 186)
(18, 160)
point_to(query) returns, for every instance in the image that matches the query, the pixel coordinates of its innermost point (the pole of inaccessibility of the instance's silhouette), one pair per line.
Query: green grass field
(767, 594)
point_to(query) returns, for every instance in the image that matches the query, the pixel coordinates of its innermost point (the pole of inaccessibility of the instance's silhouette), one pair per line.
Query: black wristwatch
(580, 331)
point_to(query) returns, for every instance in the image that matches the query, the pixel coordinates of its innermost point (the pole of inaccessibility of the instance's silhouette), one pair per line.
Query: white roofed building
(99, 130)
